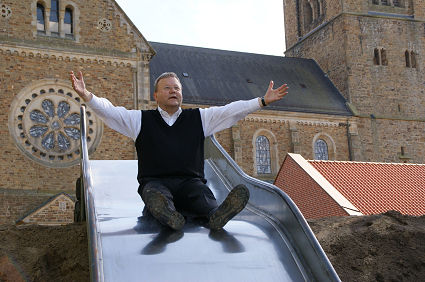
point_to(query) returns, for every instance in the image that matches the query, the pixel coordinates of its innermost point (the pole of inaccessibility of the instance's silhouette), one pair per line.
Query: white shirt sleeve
(127, 122)
(215, 119)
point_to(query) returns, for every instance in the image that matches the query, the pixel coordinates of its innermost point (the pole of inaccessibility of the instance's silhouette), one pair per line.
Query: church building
(353, 68)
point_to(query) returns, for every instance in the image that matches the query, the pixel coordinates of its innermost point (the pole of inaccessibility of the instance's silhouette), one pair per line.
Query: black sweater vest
(170, 151)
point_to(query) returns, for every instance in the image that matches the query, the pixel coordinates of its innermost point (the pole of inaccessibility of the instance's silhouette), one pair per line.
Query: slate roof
(217, 77)
(378, 187)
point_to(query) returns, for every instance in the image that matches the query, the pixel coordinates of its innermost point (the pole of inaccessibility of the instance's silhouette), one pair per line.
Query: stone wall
(285, 133)
(15, 203)
(388, 98)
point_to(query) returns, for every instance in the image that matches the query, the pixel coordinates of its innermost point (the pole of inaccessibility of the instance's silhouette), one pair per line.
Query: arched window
(54, 18)
(380, 57)
(384, 61)
(68, 22)
(321, 150)
(308, 14)
(406, 56)
(413, 59)
(410, 58)
(41, 23)
(262, 146)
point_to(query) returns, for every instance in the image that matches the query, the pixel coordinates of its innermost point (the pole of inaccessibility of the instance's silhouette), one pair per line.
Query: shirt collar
(164, 114)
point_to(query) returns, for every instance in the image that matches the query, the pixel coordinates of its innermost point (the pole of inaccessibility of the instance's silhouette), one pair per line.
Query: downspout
(350, 144)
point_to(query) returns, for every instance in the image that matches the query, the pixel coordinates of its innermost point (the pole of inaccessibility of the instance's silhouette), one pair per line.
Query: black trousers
(190, 196)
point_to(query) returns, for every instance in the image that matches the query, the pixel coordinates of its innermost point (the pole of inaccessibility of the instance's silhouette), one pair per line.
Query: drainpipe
(350, 145)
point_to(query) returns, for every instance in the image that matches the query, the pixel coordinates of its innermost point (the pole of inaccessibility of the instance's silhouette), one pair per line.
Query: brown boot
(162, 210)
(232, 205)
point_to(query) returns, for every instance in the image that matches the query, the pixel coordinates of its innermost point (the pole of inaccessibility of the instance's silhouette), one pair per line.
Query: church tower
(372, 50)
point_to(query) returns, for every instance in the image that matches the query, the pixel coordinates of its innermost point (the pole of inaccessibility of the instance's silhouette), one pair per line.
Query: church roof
(217, 77)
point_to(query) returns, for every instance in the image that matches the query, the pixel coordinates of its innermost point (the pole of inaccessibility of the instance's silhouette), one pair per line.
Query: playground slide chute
(268, 241)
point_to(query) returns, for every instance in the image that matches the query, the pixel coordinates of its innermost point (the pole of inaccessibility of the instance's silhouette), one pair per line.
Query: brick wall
(22, 25)
(393, 93)
(19, 71)
(59, 210)
(283, 140)
(309, 197)
(15, 203)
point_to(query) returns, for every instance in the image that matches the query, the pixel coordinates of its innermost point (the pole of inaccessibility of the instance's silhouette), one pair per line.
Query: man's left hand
(273, 95)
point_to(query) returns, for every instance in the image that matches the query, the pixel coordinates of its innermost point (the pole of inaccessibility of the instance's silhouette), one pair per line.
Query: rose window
(5, 11)
(104, 25)
(46, 125)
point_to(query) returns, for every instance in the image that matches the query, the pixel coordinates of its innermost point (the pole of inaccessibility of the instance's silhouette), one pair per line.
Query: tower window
(380, 57)
(41, 27)
(60, 21)
(393, 3)
(68, 22)
(321, 150)
(410, 58)
(262, 145)
(308, 14)
(54, 17)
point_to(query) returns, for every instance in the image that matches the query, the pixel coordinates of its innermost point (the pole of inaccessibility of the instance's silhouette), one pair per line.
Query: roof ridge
(360, 162)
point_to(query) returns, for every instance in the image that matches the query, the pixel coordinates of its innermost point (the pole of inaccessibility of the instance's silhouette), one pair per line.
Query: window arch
(308, 14)
(262, 149)
(41, 22)
(54, 18)
(410, 58)
(380, 57)
(407, 58)
(68, 22)
(272, 156)
(321, 150)
(323, 147)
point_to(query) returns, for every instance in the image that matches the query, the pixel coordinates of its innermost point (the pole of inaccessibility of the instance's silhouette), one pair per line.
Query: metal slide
(268, 241)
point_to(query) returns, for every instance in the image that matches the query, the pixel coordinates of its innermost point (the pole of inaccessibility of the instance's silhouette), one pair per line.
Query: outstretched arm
(80, 87)
(215, 119)
(127, 122)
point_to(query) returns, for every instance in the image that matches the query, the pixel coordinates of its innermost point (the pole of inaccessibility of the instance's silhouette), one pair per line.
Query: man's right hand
(80, 87)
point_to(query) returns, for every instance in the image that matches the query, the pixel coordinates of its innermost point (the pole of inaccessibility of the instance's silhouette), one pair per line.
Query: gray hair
(165, 75)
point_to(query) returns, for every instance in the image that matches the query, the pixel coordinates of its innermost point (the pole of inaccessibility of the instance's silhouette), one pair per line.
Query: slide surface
(268, 241)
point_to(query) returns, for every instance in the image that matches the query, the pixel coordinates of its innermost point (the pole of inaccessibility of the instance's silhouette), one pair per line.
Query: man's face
(169, 93)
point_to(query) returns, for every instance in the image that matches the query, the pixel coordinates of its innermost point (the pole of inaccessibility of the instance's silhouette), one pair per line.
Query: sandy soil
(387, 247)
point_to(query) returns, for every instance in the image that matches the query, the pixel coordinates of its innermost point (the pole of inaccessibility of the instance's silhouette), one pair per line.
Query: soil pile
(386, 247)
(39, 253)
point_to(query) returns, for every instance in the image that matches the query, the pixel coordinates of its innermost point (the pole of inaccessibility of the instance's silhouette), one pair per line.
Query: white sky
(253, 26)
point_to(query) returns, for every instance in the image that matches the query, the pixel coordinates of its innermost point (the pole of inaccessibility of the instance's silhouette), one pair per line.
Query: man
(170, 149)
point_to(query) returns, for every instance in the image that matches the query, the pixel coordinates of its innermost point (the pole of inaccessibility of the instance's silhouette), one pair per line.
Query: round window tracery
(104, 25)
(5, 11)
(45, 123)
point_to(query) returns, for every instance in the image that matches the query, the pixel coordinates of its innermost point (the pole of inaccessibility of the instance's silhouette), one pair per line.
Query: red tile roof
(378, 187)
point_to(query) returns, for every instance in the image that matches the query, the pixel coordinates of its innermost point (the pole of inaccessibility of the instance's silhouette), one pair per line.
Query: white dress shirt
(129, 122)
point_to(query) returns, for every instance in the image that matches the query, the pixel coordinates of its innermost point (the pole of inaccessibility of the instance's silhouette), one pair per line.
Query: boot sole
(158, 206)
(232, 205)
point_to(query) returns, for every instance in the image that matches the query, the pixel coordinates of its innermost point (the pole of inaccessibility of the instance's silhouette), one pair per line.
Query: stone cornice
(60, 55)
(299, 118)
(291, 117)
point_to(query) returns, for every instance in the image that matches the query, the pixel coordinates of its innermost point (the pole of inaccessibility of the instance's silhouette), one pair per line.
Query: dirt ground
(386, 247)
